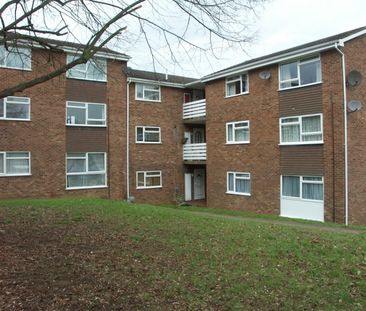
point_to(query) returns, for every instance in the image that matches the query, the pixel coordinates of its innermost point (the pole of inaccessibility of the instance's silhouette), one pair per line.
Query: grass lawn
(94, 254)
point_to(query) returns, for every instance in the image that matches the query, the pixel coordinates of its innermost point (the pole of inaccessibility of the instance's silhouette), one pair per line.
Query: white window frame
(144, 127)
(244, 178)
(299, 122)
(234, 142)
(24, 50)
(5, 174)
(299, 62)
(302, 181)
(149, 187)
(87, 172)
(86, 105)
(5, 103)
(87, 64)
(145, 87)
(241, 85)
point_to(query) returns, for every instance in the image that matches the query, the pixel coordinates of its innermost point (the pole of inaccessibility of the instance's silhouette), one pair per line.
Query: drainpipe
(128, 142)
(341, 44)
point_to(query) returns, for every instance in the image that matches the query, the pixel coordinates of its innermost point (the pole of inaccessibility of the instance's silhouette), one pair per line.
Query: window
(15, 108)
(85, 114)
(237, 85)
(238, 183)
(303, 187)
(94, 69)
(14, 163)
(302, 130)
(237, 132)
(149, 92)
(147, 134)
(148, 179)
(86, 170)
(15, 57)
(300, 73)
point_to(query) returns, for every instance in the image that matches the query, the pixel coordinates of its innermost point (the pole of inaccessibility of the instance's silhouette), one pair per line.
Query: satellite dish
(264, 75)
(354, 78)
(354, 105)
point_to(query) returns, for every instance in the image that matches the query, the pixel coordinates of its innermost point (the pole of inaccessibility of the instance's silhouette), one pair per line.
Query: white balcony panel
(195, 109)
(194, 152)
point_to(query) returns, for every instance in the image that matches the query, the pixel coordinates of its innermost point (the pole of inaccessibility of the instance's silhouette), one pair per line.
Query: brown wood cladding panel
(86, 139)
(86, 91)
(302, 160)
(301, 101)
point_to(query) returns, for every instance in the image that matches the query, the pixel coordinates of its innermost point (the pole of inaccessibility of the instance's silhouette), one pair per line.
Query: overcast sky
(281, 24)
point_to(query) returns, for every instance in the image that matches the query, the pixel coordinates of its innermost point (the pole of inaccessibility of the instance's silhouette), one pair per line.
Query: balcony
(195, 153)
(194, 112)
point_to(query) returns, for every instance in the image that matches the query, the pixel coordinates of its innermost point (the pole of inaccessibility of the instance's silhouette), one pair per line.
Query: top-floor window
(15, 108)
(94, 69)
(15, 57)
(149, 92)
(300, 73)
(237, 85)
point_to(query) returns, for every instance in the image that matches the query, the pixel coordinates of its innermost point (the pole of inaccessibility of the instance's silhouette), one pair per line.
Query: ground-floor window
(148, 179)
(303, 187)
(14, 163)
(86, 170)
(238, 183)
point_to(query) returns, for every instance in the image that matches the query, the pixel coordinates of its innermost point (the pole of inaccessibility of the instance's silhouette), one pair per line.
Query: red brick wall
(166, 156)
(45, 135)
(260, 157)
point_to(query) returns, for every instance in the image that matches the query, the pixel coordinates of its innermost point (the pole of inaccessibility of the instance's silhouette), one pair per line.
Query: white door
(187, 187)
(198, 135)
(199, 184)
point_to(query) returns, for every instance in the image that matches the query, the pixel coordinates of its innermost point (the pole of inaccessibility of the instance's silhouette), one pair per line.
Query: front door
(199, 184)
(198, 135)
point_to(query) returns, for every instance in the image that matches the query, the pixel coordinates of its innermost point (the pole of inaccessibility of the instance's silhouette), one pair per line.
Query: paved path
(320, 227)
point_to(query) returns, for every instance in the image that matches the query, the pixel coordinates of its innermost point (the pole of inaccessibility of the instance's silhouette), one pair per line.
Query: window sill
(230, 96)
(12, 119)
(85, 125)
(238, 193)
(302, 143)
(301, 199)
(81, 79)
(144, 188)
(147, 100)
(81, 188)
(16, 68)
(299, 86)
(15, 175)
(239, 143)
(148, 143)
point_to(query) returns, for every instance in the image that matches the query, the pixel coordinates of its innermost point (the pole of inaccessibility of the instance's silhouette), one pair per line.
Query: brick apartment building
(281, 134)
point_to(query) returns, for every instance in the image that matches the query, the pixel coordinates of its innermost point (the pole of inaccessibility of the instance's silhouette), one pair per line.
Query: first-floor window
(148, 179)
(14, 163)
(237, 132)
(15, 108)
(238, 183)
(89, 114)
(147, 134)
(86, 170)
(303, 187)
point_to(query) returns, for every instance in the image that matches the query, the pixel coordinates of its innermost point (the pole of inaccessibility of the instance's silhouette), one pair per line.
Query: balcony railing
(194, 152)
(196, 109)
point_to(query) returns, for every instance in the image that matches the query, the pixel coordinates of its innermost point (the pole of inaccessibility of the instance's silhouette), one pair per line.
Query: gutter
(157, 82)
(128, 142)
(337, 45)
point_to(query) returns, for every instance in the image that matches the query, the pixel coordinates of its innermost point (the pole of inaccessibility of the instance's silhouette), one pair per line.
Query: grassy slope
(184, 260)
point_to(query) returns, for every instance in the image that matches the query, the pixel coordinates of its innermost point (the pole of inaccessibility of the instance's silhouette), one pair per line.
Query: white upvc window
(86, 170)
(15, 163)
(238, 183)
(148, 134)
(85, 114)
(300, 73)
(148, 92)
(237, 132)
(15, 108)
(148, 179)
(16, 58)
(303, 187)
(307, 129)
(94, 69)
(237, 85)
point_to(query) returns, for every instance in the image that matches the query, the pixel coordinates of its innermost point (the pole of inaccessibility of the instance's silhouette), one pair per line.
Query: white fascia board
(162, 83)
(98, 54)
(272, 60)
(353, 36)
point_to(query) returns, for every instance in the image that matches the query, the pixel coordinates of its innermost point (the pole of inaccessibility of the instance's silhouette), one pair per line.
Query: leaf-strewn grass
(101, 254)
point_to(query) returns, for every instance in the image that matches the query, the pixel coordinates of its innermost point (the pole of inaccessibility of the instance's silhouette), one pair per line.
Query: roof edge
(156, 82)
